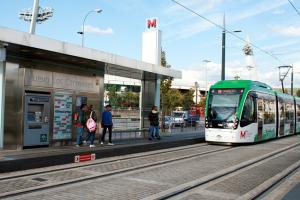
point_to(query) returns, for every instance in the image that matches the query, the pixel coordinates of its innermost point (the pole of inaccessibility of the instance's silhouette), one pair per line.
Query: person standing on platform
(78, 123)
(90, 118)
(107, 123)
(154, 124)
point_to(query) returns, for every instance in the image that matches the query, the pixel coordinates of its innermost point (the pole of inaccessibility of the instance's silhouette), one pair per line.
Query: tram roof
(247, 84)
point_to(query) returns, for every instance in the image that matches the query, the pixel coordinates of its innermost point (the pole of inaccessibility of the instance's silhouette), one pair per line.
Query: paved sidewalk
(13, 160)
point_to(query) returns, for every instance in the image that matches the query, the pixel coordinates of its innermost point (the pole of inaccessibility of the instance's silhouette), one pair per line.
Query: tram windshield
(222, 107)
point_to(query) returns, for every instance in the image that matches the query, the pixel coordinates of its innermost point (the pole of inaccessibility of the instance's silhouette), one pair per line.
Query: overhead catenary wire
(297, 11)
(227, 31)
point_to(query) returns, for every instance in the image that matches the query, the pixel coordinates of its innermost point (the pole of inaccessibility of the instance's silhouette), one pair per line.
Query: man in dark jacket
(107, 123)
(154, 124)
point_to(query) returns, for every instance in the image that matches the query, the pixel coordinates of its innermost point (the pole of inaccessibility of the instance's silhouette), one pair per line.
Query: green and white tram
(244, 111)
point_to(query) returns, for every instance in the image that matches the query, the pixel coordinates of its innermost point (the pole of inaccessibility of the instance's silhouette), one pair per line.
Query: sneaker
(110, 144)
(92, 146)
(77, 145)
(84, 141)
(158, 138)
(150, 138)
(101, 143)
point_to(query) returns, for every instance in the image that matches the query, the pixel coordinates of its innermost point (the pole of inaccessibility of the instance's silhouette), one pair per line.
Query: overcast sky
(272, 25)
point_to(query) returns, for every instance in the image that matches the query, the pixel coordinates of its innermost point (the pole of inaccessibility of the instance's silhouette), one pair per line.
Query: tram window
(269, 111)
(289, 115)
(249, 111)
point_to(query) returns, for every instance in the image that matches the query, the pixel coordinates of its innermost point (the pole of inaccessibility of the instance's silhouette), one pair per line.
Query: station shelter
(43, 81)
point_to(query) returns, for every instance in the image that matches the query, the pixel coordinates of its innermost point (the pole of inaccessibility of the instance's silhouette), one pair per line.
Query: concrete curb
(58, 158)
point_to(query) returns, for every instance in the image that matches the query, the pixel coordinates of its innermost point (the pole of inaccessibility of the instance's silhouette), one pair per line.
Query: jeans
(91, 137)
(109, 127)
(79, 131)
(154, 131)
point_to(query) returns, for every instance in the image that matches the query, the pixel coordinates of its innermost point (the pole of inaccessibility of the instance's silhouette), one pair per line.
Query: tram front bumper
(220, 135)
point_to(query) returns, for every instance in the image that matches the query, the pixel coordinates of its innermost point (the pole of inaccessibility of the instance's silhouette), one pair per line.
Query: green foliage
(122, 99)
(163, 61)
(187, 100)
(172, 98)
(298, 93)
(202, 102)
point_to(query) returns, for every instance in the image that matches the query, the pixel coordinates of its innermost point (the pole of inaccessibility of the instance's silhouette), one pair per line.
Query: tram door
(36, 119)
(281, 111)
(260, 117)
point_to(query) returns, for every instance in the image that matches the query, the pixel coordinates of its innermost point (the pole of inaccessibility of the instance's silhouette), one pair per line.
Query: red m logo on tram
(243, 134)
(151, 23)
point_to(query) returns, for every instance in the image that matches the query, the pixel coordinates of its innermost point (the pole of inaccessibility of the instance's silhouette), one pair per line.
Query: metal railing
(128, 136)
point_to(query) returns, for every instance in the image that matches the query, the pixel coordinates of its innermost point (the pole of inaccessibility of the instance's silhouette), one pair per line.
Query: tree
(165, 87)
(173, 98)
(130, 99)
(298, 93)
(202, 102)
(114, 99)
(187, 100)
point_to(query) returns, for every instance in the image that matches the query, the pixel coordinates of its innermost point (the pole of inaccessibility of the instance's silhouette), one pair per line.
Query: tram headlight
(206, 122)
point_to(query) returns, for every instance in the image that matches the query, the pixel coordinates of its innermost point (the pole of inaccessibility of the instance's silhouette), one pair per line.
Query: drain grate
(39, 179)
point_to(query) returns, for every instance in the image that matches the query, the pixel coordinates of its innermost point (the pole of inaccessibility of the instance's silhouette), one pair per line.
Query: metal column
(35, 10)
(2, 93)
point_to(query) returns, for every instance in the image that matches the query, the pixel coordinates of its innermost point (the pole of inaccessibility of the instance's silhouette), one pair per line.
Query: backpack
(91, 124)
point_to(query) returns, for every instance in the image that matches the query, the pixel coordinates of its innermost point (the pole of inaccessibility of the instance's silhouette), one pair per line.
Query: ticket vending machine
(36, 119)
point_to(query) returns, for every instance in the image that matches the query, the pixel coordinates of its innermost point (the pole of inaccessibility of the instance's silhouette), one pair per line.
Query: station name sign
(152, 23)
(56, 80)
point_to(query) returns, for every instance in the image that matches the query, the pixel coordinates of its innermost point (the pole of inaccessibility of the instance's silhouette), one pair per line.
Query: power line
(297, 11)
(230, 32)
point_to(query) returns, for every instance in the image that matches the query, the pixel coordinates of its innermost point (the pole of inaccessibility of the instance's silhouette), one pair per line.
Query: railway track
(37, 179)
(258, 192)
(212, 169)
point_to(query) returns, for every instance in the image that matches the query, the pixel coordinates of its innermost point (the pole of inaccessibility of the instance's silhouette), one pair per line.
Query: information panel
(62, 123)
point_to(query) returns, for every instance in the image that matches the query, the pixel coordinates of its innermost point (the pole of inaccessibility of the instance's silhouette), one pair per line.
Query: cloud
(281, 45)
(199, 5)
(92, 29)
(287, 31)
(278, 12)
(188, 24)
(197, 73)
(260, 8)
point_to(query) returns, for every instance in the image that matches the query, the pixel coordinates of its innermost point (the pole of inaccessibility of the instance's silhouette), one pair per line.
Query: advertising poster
(62, 123)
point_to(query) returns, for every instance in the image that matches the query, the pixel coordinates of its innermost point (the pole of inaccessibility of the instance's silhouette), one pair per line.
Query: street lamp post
(206, 61)
(196, 87)
(223, 47)
(223, 50)
(82, 32)
(36, 14)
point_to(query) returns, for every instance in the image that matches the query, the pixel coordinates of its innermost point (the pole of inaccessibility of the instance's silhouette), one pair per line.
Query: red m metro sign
(151, 23)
